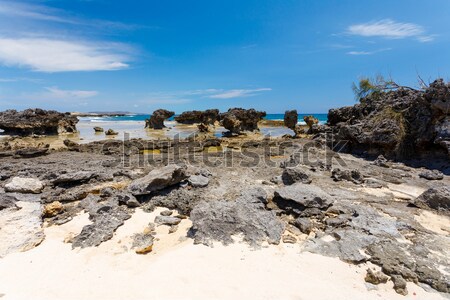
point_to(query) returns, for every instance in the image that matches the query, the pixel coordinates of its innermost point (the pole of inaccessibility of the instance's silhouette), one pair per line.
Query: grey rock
(166, 213)
(198, 181)
(293, 175)
(431, 175)
(143, 243)
(158, 179)
(381, 161)
(8, 201)
(349, 175)
(74, 177)
(375, 277)
(221, 220)
(253, 195)
(304, 224)
(167, 220)
(296, 198)
(399, 285)
(24, 185)
(437, 198)
(127, 199)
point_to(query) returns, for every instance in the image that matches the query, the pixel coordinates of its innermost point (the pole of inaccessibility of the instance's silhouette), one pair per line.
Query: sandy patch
(434, 222)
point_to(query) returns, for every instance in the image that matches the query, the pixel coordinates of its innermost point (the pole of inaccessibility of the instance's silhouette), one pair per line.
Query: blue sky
(273, 55)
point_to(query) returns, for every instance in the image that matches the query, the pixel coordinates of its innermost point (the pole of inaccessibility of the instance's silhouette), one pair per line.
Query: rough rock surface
(291, 119)
(52, 209)
(437, 198)
(221, 220)
(37, 121)
(208, 117)
(111, 132)
(198, 180)
(143, 243)
(237, 120)
(431, 175)
(293, 175)
(399, 123)
(310, 122)
(298, 197)
(7, 201)
(156, 120)
(350, 175)
(21, 229)
(158, 179)
(24, 185)
(167, 220)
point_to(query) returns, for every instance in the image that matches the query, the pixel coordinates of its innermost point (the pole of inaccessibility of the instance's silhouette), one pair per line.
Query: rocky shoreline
(370, 203)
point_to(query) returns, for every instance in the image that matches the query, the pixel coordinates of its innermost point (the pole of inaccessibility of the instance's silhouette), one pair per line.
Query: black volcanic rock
(37, 121)
(237, 120)
(209, 117)
(291, 119)
(156, 120)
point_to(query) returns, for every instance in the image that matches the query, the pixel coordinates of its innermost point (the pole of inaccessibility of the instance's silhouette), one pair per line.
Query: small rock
(296, 198)
(111, 132)
(143, 243)
(98, 129)
(399, 285)
(52, 209)
(198, 181)
(289, 239)
(304, 224)
(381, 161)
(24, 185)
(293, 175)
(166, 213)
(173, 229)
(7, 201)
(167, 220)
(375, 277)
(432, 175)
(350, 175)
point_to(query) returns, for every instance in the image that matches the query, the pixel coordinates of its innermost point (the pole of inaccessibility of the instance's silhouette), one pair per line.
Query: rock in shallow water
(24, 185)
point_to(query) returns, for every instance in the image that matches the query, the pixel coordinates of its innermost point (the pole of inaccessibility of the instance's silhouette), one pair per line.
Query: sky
(272, 55)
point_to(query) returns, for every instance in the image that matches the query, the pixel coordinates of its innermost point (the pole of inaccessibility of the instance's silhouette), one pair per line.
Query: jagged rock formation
(310, 121)
(209, 117)
(237, 120)
(400, 123)
(156, 120)
(291, 119)
(37, 121)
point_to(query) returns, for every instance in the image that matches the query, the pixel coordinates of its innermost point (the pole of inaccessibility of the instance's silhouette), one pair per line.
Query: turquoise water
(322, 118)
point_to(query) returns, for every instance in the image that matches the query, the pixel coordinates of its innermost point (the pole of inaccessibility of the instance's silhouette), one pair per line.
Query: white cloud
(53, 55)
(229, 94)
(56, 93)
(390, 29)
(368, 52)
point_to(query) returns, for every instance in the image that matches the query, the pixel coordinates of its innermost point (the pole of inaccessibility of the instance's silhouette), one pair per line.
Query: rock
(310, 122)
(31, 152)
(198, 181)
(52, 209)
(381, 161)
(304, 224)
(166, 213)
(350, 175)
(106, 219)
(98, 129)
(158, 179)
(167, 220)
(237, 120)
(173, 229)
(289, 239)
(156, 120)
(24, 185)
(374, 183)
(21, 229)
(73, 178)
(127, 199)
(253, 195)
(291, 119)
(437, 198)
(431, 175)
(7, 201)
(37, 121)
(143, 243)
(111, 132)
(296, 198)
(207, 117)
(399, 285)
(338, 221)
(294, 175)
(72, 146)
(221, 220)
(375, 277)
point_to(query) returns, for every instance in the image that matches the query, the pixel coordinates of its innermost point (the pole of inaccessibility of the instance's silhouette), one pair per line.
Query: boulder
(37, 121)
(158, 179)
(24, 185)
(156, 120)
(207, 117)
(221, 220)
(437, 198)
(237, 120)
(431, 175)
(298, 197)
(198, 180)
(111, 132)
(293, 175)
(291, 119)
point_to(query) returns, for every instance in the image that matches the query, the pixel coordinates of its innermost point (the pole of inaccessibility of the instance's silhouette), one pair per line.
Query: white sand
(177, 269)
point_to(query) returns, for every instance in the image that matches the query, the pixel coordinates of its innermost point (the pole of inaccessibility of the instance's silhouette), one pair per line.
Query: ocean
(141, 117)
